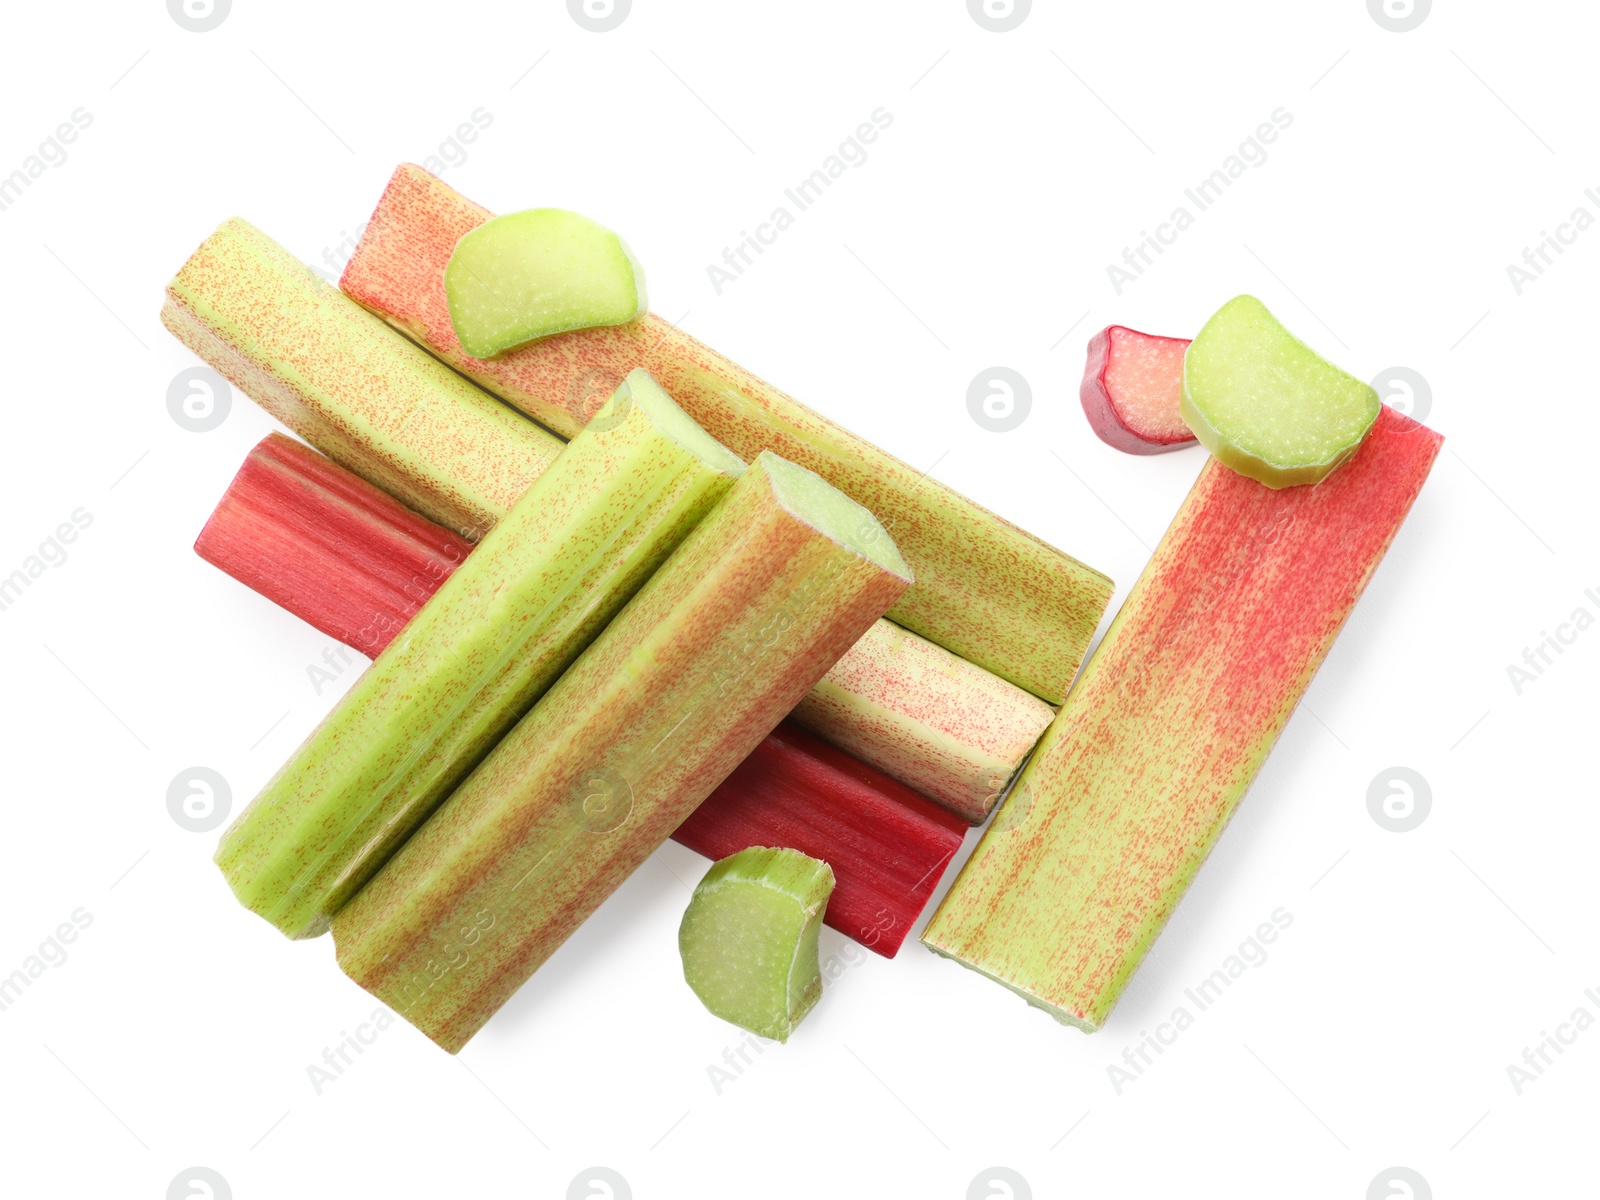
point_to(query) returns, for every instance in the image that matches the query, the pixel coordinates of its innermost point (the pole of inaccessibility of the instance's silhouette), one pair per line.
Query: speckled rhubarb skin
(937, 723)
(701, 666)
(367, 398)
(327, 545)
(498, 633)
(1132, 389)
(985, 589)
(1133, 783)
(321, 542)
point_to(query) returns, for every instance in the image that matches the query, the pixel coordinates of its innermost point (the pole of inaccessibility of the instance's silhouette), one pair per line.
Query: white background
(179, 1030)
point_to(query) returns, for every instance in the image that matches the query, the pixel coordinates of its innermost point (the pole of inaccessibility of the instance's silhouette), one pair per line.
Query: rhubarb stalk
(1133, 783)
(546, 580)
(367, 398)
(986, 590)
(723, 641)
(327, 545)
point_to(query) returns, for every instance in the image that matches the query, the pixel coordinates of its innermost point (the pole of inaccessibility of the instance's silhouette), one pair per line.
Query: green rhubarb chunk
(749, 938)
(495, 636)
(531, 274)
(1266, 404)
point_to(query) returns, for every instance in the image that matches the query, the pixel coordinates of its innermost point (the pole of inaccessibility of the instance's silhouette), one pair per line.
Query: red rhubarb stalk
(327, 545)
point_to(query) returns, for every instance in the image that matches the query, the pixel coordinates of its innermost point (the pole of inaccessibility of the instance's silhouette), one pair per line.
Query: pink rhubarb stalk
(1177, 710)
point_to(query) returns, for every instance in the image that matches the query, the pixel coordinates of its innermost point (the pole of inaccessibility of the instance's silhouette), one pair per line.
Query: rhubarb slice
(986, 590)
(1132, 390)
(530, 274)
(738, 624)
(1267, 404)
(338, 553)
(327, 545)
(1175, 713)
(368, 399)
(887, 845)
(545, 581)
(937, 723)
(749, 939)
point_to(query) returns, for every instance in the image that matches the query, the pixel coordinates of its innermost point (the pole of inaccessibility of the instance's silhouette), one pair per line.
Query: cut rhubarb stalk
(887, 845)
(530, 274)
(342, 555)
(738, 624)
(986, 590)
(935, 722)
(1267, 404)
(338, 553)
(369, 400)
(327, 545)
(587, 534)
(749, 939)
(1175, 713)
(1132, 390)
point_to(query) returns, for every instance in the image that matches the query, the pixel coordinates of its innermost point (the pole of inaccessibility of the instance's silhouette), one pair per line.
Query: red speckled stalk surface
(733, 629)
(985, 589)
(327, 545)
(888, 847)
(1132, 385)
(1133, 783)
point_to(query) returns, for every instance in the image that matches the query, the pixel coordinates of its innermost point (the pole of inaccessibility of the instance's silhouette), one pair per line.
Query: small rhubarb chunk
(887, 845)
(530, 274)
(1268, 405)
(1132, 390)
(749, 939)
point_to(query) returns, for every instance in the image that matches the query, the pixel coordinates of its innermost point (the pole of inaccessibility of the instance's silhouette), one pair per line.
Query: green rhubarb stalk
(687, 681)
(492, 639)
(749, 939)
(1174, 715)
(344, 381)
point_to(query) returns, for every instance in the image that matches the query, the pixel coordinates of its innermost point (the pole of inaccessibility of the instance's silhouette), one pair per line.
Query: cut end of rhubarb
(641, 390)
(812, 499)
(749, 939)
(1266, 404)
(1073, 1020)
(531, 274)
(1132, 390)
